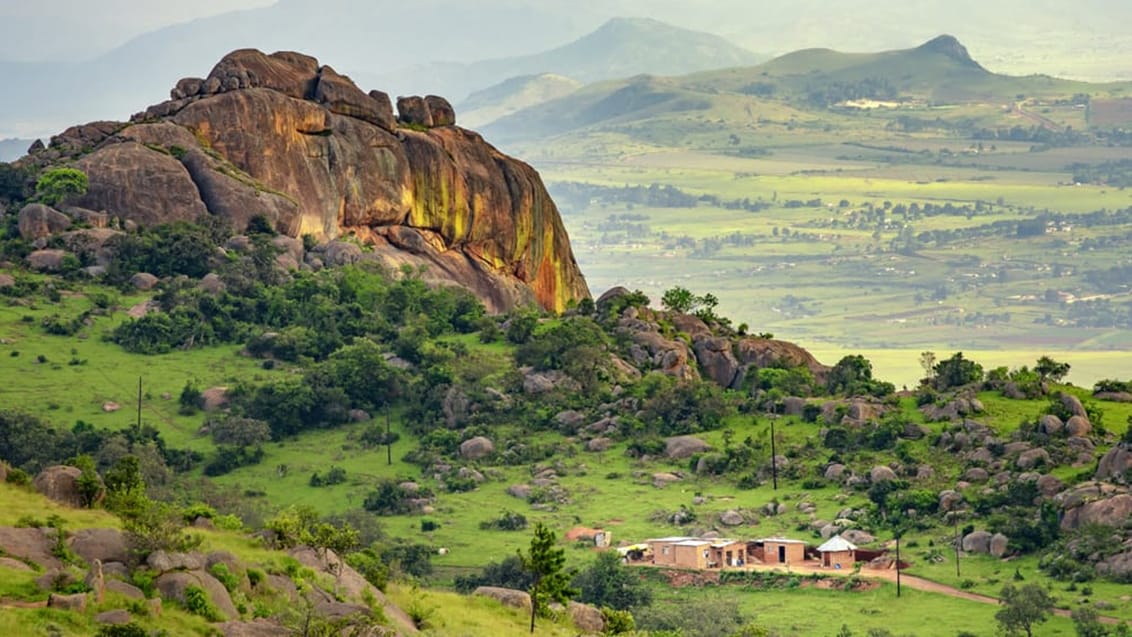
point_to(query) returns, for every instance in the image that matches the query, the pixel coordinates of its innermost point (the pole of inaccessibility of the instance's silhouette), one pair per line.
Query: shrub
(198, 603)
(221, 572)
(507, 521)
(131, 629)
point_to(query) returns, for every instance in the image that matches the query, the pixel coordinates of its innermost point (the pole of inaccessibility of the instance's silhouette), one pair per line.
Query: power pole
(773, 455)
(958, 540)
(388, 437)
(898, 564)
(139, 401)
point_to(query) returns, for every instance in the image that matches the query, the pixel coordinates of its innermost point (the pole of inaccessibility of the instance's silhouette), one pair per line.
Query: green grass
(103, 372)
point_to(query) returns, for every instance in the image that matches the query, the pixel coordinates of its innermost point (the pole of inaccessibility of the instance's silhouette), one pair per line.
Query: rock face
(281, 136)
(61, 484)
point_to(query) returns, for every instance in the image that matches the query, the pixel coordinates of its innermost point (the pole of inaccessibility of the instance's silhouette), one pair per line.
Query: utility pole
(139, 401)
(773, 455)
(388, 437)
(898, 564)
(958, 540)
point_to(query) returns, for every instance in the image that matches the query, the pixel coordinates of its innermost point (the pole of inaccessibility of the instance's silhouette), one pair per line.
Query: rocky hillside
(283, 137)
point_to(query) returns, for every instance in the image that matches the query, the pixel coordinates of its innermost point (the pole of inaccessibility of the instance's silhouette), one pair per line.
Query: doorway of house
(782, 555)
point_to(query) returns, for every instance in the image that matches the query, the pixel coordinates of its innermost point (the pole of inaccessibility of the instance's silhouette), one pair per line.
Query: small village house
(696, 553)
(778, 550)
(837, 552)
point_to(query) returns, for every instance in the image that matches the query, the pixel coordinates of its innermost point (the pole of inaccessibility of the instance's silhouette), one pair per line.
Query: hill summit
(949, 46)
(284, 138)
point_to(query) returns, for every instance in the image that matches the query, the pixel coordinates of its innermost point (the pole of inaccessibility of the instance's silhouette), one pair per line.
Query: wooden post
(958, 540)
(898, 565)
(388, 437)
(139, 401)
(773, 456)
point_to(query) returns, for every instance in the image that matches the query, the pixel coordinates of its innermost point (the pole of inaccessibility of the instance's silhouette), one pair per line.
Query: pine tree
(547, 564)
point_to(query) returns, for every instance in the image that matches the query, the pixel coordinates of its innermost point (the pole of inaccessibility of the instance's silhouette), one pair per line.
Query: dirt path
(911, 581)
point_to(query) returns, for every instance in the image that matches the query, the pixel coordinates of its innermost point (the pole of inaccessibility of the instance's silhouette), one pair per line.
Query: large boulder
(1078, 426)
(281, 136)
(172, 586)
(731, 517)
(31, 545)
(413, 110)
(476, 448)
(1033, 458)
(1116, 465)
(977, 542)
(999, 544)
(341, 96)
(37, 221)
(587, 618)
(881, 473)
(61, 484)
(717, 361)
(681, 447)
(440, 110)
(47, 260)
(164, 561)
(1113, 511)
(1073, 405)
(104, 545)
(506, 596)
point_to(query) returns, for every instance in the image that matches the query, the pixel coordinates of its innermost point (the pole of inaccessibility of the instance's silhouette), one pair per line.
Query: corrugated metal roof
(836, 544)
(781, 540)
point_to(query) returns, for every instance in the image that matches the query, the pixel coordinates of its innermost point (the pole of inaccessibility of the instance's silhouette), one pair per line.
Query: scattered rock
(75, 603)
(476, 448)
(1033, 458)
(172, 586)
(569, 421)
(103, 545)
(731, 517)
(1078, 426)
(858, 537)
(976, 475)
(881, 473)
(61, 484)
(681, 447)
(661, 480)
(124, 589)
(521, 491)
(977, 542)
(1073, 405)
(998, 545)
(949, 500)
(1050, 424)
(598, 444)
(144, 281)
(1116, 465)
(47, 260)
(14, 565)
(37, 221)
(835, 471)
(110, 406)
(113, 617)
(586, 617)
(1050, 486)
(506, 596)
(162, 561)
(1113, 511)
(414, 111)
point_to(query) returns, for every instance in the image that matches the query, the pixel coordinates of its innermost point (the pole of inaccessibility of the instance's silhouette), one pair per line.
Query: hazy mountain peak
(949, 46)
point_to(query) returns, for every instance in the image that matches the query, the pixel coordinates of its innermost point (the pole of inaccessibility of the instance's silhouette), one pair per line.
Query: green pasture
(80, 374)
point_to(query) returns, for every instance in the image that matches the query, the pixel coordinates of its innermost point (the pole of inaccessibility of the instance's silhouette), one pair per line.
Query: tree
(678, 299)
(546, 563)
(927, 362)
(957, 372)
(607, 583)
(1049, 369)
(57, 184)
(1086, 622)
(1022, 608)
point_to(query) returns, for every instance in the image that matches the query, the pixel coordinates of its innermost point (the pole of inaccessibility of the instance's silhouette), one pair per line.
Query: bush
(122, 630)
(507, 521)
(198, 603)
(225, 576)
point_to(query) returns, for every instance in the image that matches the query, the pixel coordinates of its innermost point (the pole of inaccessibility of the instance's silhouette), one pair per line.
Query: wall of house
(831, 559)
(795, 553)
(691, 556)
(663, 553)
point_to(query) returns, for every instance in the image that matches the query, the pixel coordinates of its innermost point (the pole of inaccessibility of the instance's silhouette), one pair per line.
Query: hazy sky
(39, 30)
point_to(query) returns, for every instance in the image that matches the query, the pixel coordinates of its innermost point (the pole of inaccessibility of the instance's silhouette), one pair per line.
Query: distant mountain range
(143, 71)
(621, 47)
(940, 70)
(433, 45)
